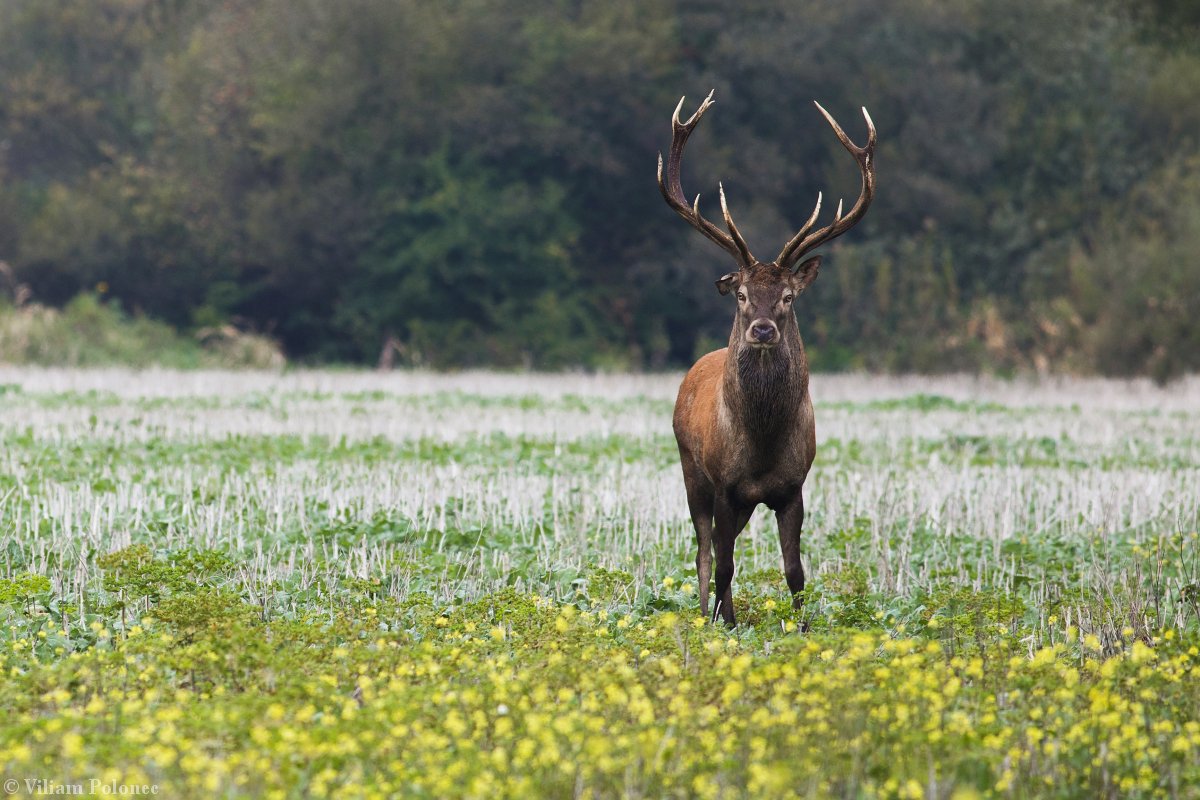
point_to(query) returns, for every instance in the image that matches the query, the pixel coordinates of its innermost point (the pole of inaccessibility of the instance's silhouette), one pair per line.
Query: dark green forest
(475, 181)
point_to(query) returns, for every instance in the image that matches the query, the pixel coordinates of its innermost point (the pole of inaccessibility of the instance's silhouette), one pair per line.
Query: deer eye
(787, 298)
(741, 297)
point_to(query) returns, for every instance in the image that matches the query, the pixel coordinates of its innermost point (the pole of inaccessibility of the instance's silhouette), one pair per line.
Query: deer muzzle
(762, 333)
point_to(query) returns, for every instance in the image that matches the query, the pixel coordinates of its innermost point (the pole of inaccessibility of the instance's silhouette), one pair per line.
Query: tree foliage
(475, 180)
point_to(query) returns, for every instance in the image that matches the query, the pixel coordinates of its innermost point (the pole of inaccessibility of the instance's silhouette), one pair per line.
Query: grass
(356, 585)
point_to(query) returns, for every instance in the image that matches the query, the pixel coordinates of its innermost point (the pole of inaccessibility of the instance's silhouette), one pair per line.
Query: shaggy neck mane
(767, 384)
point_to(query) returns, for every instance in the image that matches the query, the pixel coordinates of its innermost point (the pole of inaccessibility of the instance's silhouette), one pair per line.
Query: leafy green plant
(457, 585)
(88, 332)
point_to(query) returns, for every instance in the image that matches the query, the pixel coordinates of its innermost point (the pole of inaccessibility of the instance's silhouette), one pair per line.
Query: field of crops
(341, 584)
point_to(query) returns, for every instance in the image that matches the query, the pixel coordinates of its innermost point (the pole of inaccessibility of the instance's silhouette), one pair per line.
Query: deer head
(765, 291)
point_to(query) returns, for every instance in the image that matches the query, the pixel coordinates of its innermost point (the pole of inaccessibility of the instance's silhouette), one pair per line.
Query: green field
(340, 584)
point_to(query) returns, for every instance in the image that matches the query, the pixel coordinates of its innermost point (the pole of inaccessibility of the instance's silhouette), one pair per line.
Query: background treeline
(475, 180)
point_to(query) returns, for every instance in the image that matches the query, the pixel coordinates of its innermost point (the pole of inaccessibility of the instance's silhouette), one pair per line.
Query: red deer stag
(743, 418)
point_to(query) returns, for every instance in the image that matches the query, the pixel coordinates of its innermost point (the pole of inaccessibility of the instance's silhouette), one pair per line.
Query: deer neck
(764, 388)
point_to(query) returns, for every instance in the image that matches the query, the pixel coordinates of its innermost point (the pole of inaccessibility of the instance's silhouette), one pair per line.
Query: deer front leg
(704, 555)
(791, 520)
(729, 522)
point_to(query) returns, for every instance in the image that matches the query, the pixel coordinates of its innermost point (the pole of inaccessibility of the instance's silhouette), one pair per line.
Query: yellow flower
(1141, 652)
(1005, 782)
(72, 744)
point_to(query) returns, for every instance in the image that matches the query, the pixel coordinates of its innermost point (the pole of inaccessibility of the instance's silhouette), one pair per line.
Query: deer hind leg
(700, 504)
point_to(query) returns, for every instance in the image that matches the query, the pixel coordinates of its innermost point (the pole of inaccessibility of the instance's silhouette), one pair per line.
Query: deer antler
(672, 190)
(804, 241)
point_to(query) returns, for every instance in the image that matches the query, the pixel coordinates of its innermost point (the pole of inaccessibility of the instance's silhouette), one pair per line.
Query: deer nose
(762, 333)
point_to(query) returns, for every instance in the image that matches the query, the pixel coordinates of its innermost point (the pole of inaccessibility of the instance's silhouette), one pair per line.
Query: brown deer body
(743, 419)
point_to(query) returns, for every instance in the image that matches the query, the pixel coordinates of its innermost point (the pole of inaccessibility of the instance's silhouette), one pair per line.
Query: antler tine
(694, 118)
(678, 108)
(857, 151)
(803, 241)
(743, 250)
(799, 237)
(672, 189)
(870, 129)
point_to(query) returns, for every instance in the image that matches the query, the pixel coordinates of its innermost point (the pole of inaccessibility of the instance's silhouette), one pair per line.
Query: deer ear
(806, 273)
(726, 283)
